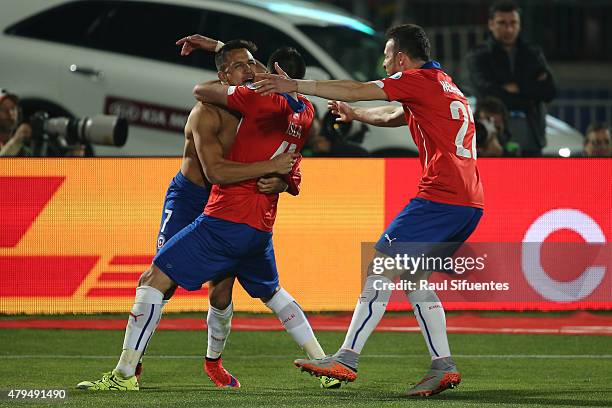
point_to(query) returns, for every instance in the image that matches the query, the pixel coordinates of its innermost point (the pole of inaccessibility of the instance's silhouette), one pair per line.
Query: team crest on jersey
(294, 130)
(397, 75)
(161, 240)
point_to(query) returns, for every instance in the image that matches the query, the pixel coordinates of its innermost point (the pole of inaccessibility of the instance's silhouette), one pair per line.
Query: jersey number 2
(466, 112)
(283, 149)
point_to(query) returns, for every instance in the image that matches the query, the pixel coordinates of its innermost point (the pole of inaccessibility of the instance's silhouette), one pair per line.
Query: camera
(341, 131)
(482, 134)
(57, 136)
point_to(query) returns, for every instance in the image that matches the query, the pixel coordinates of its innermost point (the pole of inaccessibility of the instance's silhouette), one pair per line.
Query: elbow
(215, 176)
(199, 92)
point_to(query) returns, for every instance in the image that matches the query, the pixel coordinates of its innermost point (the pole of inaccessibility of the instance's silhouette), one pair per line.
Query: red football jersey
(442, 126)
(269, 127)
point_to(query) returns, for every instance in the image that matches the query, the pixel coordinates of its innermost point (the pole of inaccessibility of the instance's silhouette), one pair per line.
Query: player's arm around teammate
(204, 122)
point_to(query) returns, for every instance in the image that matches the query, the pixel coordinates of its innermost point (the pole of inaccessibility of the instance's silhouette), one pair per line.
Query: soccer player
(212, 248)
(447, 207)
(275, 124)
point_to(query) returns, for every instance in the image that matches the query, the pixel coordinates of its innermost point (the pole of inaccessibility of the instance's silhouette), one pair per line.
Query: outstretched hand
(196, 42)
(280, 71)
(271, 83)
(343, 110)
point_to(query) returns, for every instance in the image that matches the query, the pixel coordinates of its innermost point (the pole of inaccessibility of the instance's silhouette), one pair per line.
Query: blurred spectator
(515, 72)
(492, 113)
(597, 141)
(13, 138)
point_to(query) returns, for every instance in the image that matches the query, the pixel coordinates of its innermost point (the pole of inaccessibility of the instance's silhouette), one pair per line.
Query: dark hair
(492, 104)
(221, 56)
(290, 60)
(595, 127)
(503, 6)
(411, 40)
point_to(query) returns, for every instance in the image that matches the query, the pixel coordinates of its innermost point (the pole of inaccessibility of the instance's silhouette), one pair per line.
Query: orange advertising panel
(75, 234)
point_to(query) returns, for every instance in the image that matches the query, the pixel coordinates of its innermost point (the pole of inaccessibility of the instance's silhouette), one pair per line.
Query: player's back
(269, 127)
(222, 124)
(442, 126)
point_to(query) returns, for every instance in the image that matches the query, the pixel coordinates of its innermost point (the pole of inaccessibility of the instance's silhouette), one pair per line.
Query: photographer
(14, 139)
(26, 140)
(492, 136)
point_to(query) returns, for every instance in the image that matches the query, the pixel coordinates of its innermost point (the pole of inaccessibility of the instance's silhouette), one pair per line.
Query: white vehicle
(81, 58)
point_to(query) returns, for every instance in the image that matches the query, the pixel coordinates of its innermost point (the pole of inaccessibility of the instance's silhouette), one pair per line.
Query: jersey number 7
(466, 113)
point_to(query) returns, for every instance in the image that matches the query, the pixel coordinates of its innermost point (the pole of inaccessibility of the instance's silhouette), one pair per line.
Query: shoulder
(304, 99)
(271, 103)
(204, 109)
(241, 89)
(403, 77)
(306, 102)
(204, 113)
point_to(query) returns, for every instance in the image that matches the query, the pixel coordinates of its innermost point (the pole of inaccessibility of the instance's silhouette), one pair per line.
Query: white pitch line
(277, 356)
(596, 330)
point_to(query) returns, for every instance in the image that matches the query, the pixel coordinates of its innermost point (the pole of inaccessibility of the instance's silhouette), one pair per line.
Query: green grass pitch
(498, 370)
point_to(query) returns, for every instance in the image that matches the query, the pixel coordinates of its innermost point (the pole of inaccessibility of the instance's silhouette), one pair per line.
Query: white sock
(144, 318)
(219, 325)
(164, 303)
(295, 322)
(370, 308)
(432, 321)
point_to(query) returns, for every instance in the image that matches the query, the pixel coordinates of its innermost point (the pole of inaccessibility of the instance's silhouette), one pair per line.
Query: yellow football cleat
(330, 383)
(110, 382)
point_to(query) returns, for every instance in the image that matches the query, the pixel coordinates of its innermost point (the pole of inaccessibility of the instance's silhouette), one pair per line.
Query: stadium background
(77, 234)
(576, 37)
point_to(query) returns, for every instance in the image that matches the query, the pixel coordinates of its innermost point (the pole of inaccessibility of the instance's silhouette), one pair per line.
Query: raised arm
(382, 116)
(204, 124)
(217, 93)
(343, 90)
